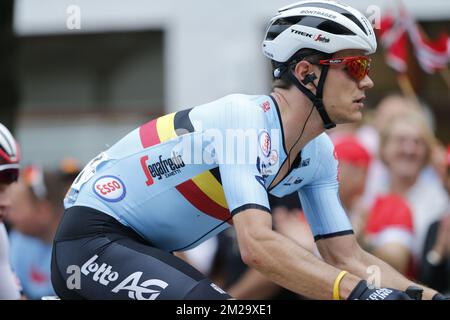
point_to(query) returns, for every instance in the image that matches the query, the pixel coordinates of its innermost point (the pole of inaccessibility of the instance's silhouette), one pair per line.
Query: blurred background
(79, 74)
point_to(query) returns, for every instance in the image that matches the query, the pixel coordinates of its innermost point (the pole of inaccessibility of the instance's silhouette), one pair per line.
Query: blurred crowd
(31, 213)
(394, 178)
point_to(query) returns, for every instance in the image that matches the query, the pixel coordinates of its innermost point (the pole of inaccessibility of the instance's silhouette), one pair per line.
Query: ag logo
(141, 291)
(265, 143)
(109, 188)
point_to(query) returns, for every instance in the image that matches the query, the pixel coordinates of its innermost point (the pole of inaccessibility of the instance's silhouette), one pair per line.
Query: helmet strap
(317, 99)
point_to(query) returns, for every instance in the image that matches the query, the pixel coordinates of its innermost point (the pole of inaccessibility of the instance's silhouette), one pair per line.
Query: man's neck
(294, 110)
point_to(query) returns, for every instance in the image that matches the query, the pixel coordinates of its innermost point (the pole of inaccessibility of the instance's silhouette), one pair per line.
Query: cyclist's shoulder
(322, 145)
(320, 156)
(243, 103)
(233, 108)
(247, 106)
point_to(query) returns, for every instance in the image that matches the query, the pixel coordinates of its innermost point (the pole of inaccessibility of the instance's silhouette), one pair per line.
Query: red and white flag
(432, 55)
(394, 39)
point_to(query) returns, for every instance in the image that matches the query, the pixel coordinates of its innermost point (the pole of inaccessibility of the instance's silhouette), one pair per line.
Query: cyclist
(9, 172)
(182, 178)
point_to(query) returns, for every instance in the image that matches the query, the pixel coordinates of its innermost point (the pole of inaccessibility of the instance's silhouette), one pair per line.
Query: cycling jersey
(178, 180)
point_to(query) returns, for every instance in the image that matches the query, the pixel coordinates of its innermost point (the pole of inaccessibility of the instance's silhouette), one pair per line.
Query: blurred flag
(432, 55)
(394, 39)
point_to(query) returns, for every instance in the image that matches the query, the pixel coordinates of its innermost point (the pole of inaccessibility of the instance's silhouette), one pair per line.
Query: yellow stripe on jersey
(205, 181)
(165, 128)
(211, 187)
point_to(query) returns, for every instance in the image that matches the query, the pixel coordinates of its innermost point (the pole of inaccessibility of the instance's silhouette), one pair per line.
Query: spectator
(435, 263)
(34, 217)
(390, 107)
(389, 232)
(405, 148)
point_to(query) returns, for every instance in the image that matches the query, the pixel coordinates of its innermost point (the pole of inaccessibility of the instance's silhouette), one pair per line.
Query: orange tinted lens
(358, 68)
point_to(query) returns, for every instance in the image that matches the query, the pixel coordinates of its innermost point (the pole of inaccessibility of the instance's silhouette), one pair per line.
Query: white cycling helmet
(9, 156)
(326, 26)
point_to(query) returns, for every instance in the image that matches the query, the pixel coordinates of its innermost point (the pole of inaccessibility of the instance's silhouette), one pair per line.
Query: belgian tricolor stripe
(203, 191)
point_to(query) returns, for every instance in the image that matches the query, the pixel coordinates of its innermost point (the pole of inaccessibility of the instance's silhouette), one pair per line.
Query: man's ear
(304, 72)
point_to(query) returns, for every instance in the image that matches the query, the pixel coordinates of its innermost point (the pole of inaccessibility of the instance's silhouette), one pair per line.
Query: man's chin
(354, 118)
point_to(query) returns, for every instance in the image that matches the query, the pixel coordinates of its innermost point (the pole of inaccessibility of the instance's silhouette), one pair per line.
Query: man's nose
(366, 83)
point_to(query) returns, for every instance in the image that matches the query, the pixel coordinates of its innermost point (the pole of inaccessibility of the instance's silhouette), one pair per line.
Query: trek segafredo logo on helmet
(302, 33)
(321, 38)
(109, 188)
(318, 37)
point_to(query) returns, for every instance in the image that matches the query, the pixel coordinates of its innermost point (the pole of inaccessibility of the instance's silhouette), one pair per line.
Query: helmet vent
(280, 25)
(332, 27)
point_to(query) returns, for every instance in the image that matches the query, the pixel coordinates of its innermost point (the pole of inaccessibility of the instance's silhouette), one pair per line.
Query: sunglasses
(9, 176)
(357, 67)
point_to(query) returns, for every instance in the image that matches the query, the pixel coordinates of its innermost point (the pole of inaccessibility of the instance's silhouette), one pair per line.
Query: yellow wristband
(336, 285)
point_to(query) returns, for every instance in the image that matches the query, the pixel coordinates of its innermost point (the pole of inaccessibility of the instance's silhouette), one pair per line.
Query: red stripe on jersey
(149, 134)
(202, 202)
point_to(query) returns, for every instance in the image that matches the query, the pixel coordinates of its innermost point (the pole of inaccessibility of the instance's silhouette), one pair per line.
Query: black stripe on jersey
(182, 123)
(219, 225)
(216, 173)
(277, 108)
(332, 235)
(249, 206)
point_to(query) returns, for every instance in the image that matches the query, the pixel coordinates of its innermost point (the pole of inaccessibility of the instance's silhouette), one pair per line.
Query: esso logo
(109, 188)
(264, 143)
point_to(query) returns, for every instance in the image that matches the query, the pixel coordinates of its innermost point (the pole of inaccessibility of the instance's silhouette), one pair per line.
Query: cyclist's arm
(284, 262)
(345, 253)
(395, 254)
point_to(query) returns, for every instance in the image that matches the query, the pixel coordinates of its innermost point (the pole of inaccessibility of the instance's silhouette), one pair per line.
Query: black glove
(414, 292)
(363, 292)
(439, 296)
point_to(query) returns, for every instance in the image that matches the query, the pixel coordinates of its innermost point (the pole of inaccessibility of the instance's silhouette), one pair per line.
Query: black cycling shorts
(96, 257)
